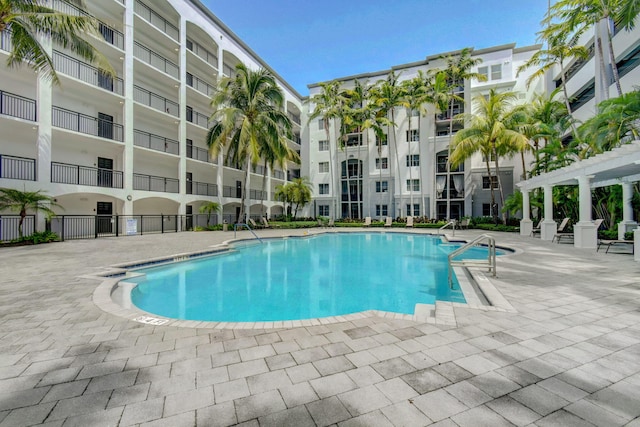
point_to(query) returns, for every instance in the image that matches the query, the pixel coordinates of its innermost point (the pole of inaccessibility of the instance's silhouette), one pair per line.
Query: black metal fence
(9, 227)
(17, 106)
(88, 125)
(13, 167)
(74, 227)
(64, 173)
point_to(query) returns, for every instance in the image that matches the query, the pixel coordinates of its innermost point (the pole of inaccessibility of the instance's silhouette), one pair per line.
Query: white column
(182, 123)
(584, 232)
(128, 109)
(548, 227)
(526, 225)
(44, 142)
(627, 224)
(220, 169)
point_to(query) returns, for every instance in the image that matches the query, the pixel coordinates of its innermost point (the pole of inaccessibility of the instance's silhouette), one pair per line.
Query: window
(496, 72)
(413, 136)
(382, 186)
(320, 124)
(323, 167)
(382, 161)
(415, 113)
(323, 188)
(413, 185)
(381, 210)
(486, 209)
(323, 210)
(492, 158)
(323, 145)
(416, 210)
(413, 160)
(485, 182)
(484, 71)
(381, 141)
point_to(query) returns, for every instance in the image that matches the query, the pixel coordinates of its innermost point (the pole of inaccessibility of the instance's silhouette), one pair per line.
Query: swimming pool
(301, 278)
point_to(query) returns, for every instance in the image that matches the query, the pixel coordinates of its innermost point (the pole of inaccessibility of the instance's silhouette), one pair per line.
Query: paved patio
(570, 355)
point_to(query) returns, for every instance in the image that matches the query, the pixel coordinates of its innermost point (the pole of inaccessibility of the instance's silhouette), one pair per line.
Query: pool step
(439, 314)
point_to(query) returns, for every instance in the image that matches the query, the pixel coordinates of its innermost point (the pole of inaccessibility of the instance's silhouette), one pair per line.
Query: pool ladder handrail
(491, 257)
(240, 225)
(451, 223)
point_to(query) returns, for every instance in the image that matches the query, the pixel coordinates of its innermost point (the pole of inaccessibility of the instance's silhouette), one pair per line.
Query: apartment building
(406, 173)
(134, 144)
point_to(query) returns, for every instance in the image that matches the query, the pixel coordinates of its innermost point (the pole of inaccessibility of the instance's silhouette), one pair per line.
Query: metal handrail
(491, 257)
(242, 224)
(450, 223)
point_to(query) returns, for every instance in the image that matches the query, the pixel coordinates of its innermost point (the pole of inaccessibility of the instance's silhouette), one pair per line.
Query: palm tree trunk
(242, 216)
(614, 65)
(421, 160)
(493, 196)
(331, 175)
(447, 190)
(434, 212)
(495, 153)
(389, 188)
(264, 187)
(23, 214)
(395, 147)
(603, 80)
(410, 165)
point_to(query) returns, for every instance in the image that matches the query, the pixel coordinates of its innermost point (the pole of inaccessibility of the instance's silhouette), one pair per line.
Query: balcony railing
(78, 122)
(197, 118)
(202, 188)
(64, 173)
(155, 142)
(278, 174)
(155, 183)
(258, 195)
(86, 73)
(12, 167)
(294, 117)
(229, 191)
(110, 35)
(200, 85)
(204, 54)
(5, 41)
(17, 106)
(197, 153)
(146, 13)
(155, 101)
(156, 60)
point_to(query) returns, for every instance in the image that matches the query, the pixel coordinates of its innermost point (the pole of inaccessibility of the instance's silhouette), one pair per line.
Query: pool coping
(471, 279)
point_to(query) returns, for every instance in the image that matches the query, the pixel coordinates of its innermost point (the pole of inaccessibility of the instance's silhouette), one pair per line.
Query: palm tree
(387, 96)
(559, 51)
(248, 115)
(25, 201)
(458, 70)
(272, 155)
(415, 96)
(327, 105)
(300, 193)
(29, 22)
(209, 208)
(490, 132)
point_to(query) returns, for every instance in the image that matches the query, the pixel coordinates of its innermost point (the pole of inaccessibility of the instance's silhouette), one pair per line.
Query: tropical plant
(24, 202)
(248, 115)
(209, 208)
(30, 22)
(492, 132)
(458, 69)
(299, 193)
(414, 98)
(327, 104)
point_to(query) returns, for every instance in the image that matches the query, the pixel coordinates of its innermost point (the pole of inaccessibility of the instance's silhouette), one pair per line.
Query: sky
(308, 41)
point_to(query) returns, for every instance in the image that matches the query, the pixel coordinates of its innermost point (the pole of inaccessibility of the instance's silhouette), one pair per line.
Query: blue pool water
(301, 278)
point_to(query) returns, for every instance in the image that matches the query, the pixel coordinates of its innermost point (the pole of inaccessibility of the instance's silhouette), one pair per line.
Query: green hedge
(498, 227)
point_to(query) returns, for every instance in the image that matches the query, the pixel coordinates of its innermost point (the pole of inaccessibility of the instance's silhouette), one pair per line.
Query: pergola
(620, 166)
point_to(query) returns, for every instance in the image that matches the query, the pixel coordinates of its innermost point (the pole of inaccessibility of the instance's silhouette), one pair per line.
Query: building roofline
(209, 14)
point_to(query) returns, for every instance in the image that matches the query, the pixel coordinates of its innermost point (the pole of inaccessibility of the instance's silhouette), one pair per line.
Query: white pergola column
(627, 224)
(548, 227)
(585, 232)
(526, 225)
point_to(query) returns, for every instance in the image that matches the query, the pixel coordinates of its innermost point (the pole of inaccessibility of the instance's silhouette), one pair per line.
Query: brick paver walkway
(570, 355)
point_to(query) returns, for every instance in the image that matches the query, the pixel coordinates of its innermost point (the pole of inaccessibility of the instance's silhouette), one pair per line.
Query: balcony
(155, 101)
(17, 106)
(146, 13)
(78, 122)
(200, 85)
(12, 167)
(155, 142)
(155, 60)
(5, 41)
(278, 174)
(229, 191)
(258, 195)
(109, 34)
(65, 64)
(64, 173)
(197, 153)
(202, 188)
(197, 118)
(295, 118)
(202, 53)
(155, 183)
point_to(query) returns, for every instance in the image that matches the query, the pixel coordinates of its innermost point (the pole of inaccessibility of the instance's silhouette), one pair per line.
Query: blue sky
(312, 41)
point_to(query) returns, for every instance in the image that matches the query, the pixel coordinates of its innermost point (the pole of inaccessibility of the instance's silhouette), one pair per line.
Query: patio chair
(464, 224)
(331, 223)
(560, 236)
(265, 223)
(536, 228)
(367, 221)
(609, 243)
(388, 221)
(253, 224)
(409, 222)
